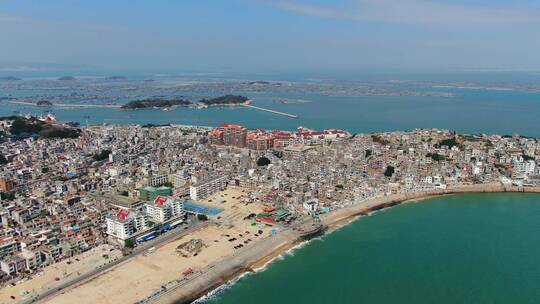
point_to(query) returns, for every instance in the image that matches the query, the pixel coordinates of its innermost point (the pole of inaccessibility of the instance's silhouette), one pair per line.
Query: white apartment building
(207, 186)
(310, 206)
(60, 187)
(524, 168)
(33, 259)
(125, 224)
(157, 180)
(409, 182)
(179, 179)
(13, 264)
(427, 179)
(163, 209)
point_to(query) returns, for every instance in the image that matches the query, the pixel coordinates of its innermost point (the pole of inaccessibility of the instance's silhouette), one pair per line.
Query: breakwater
(270, 111)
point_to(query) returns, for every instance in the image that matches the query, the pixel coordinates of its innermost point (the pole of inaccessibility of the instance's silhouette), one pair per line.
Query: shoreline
(260, 258)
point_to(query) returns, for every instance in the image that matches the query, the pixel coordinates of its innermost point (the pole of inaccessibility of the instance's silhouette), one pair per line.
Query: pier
(270, 111)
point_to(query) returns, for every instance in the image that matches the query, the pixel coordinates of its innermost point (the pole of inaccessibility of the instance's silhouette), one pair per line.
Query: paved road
(157, 242)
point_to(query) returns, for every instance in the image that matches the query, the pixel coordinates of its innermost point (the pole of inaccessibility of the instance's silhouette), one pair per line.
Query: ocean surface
(473, 248)
(471, 111)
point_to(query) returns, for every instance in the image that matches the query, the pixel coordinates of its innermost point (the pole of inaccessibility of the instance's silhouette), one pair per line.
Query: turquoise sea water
(474, 248)
(473, 112)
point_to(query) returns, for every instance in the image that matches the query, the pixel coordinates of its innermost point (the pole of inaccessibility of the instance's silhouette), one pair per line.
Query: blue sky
(252, 35)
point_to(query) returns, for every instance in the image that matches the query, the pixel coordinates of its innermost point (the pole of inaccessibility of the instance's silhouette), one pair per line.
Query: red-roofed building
(160, 200)
(229, 135)
(122, 214)
(259, 140)
(163, 209)
(125, 224)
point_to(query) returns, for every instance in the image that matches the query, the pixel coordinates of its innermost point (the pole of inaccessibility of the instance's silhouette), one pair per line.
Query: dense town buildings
(59, 201)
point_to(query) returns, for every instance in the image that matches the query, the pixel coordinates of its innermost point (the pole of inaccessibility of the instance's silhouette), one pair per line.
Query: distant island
(9, 78)
(44, 103)
(155, 103)
(226, 100)
(67, 78)
(263, 83)
(117, 78)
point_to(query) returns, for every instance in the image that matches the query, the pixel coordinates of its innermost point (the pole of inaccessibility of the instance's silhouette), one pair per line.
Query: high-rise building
(207, 186)
(124, 224)
(229, 135)
(163, 209)
(157, 180)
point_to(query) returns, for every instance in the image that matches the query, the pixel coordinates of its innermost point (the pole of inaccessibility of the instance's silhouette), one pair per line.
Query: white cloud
(418, 12)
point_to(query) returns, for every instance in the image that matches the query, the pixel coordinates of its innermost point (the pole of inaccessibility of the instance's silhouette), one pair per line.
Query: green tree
(3, 159)
(527, 157)
(129, 243)
(8, 196)
(263, 161)
(389, 171)
(436, 156)
(103, 155)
